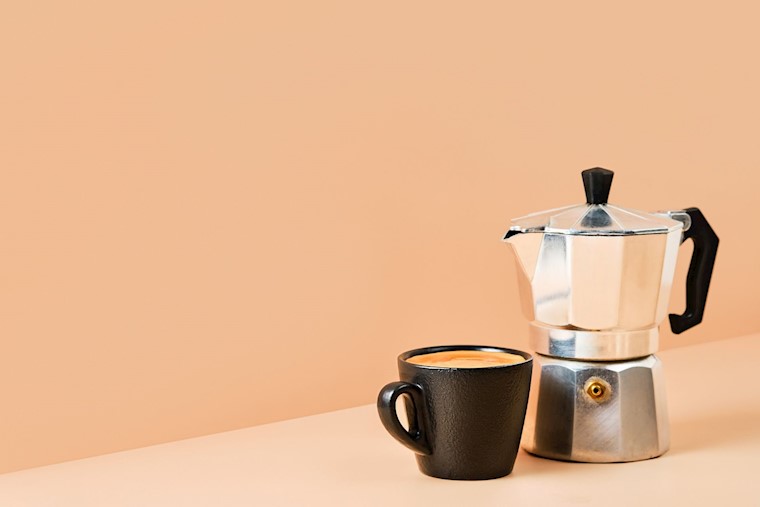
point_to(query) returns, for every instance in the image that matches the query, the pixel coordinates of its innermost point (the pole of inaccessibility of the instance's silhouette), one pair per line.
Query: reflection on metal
(595, 220)
(608, 285)
(596, 411)
(593, 345)
(595, 283)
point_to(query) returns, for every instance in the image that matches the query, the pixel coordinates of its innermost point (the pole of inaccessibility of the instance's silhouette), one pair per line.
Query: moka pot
(595, 282)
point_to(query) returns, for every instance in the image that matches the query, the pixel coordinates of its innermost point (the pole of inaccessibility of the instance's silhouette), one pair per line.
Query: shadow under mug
(464, 423)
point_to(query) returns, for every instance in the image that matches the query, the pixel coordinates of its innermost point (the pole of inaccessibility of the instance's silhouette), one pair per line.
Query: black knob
(597, 183)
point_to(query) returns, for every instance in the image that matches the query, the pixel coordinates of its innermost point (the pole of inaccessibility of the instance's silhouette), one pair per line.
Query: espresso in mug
(466, 359)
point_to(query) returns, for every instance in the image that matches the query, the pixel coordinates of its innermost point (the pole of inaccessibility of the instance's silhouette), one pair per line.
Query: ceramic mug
(464, 423)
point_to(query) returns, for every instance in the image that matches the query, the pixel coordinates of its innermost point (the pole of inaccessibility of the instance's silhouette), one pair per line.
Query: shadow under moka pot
(595, 283)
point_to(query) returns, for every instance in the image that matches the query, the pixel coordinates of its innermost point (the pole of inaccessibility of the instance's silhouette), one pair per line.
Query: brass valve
(598, 389)
(595, 390)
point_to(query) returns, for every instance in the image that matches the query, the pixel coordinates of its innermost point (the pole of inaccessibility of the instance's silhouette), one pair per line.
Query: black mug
(464, 423)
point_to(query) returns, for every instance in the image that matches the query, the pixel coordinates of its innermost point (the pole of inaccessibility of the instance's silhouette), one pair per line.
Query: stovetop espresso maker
(595, 283)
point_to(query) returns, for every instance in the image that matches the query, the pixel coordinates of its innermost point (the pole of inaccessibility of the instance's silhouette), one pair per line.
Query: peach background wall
(220, 214)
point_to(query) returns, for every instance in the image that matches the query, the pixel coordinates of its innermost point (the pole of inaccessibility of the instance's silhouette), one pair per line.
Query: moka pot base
(597, 412)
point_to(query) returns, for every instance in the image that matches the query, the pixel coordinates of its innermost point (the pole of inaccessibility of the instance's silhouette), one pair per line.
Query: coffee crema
(466, 359)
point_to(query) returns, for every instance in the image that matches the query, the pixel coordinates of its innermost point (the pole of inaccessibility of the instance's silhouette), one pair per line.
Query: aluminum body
(597, 412)
(595, 284)
(595, 297)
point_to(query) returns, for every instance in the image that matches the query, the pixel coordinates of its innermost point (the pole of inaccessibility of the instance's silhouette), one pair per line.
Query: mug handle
(416, 438)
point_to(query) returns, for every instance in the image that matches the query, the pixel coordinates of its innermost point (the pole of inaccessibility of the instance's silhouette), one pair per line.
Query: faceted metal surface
(609, 285)
(595, 220)
(595, 283)
(597, 412)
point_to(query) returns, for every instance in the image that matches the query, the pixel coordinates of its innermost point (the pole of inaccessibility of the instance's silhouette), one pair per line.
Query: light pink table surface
(346, 458)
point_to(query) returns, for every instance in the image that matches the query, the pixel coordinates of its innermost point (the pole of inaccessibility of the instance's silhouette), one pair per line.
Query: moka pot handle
(700, 271)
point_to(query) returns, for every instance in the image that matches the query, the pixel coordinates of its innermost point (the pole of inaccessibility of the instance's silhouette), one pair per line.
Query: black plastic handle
(416, 438)
(700, 271)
